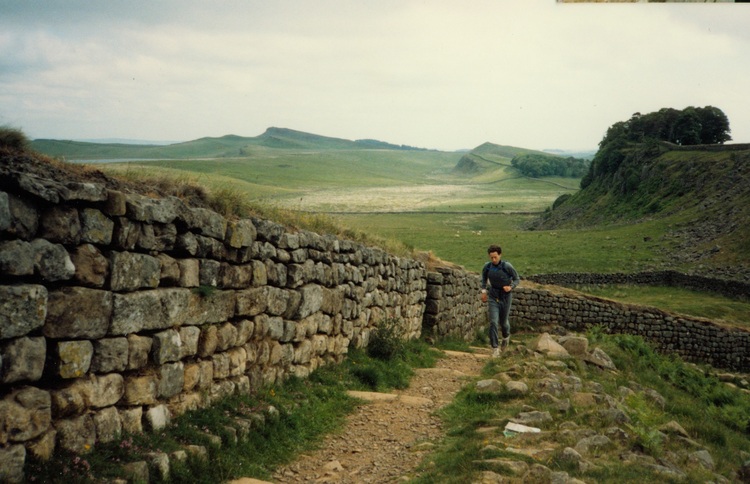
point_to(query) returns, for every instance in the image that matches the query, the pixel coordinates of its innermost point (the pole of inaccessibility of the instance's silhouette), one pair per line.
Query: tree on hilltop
(691, 126)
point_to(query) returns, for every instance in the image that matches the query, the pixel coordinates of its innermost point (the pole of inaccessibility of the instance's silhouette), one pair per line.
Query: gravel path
(387, 438)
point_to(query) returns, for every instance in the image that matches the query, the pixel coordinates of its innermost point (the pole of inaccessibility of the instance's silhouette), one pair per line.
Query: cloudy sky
(444, 74)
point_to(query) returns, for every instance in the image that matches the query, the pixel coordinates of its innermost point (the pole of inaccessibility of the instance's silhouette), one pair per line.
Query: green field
(417, 198)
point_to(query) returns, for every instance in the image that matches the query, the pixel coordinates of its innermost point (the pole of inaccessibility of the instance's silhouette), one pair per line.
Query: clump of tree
(690, 126)
(13, 138)
(538, 165)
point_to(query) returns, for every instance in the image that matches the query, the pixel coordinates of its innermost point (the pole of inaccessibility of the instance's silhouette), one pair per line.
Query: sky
(440, 74)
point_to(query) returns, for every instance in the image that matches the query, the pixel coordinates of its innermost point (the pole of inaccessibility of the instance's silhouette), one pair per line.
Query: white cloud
(443, 74)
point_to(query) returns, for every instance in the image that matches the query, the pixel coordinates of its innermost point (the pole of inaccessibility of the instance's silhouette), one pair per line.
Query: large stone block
(216, 307)
(23, 309)
(139, 348)
(208, 223)
(235, 276)
(146, 209)
(24, 218)
(208, 341)
(73, 358)
(62, 225)
(226, 337)
(12, 460)
(132, 419)
(78, 312)
(189, 335)
(51, 261)
(167, 346)
(25, 414)
(22, 359)
(107, 424)
(252, 302)
(170, 270)
(104, 390)
(96, 228)
(110, 354)
(91, 267)
(16, 258)
(77, 435)
(240, 233)
(312, 299)
(140, 390)
(150, 310)
(157, 237)
(132, 271)
(171, 379)
(189, 272)
(4, 211)
(126, 233)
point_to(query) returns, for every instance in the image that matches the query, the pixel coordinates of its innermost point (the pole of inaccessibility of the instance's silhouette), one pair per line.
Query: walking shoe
(495, 352)
(504, 343)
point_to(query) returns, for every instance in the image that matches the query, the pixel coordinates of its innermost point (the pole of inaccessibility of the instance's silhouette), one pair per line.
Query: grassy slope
(704, 198)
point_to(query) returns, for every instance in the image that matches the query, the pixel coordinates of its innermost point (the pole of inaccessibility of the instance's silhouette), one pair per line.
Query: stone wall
(119, 311)
(694, 339)
(453, 308)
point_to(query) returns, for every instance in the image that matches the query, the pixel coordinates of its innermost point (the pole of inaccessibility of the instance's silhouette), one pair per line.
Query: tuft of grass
(711, 412)
(13, 138)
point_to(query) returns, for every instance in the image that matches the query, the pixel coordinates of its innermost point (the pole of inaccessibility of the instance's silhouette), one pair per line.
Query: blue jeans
(498, 311)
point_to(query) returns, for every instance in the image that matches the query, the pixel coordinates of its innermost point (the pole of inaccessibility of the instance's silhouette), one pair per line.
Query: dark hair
(494, 248)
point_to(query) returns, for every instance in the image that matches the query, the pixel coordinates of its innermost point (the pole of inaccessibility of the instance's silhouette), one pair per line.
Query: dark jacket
(494, 277)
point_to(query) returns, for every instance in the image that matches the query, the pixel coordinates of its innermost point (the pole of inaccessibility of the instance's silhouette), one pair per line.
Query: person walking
(499, 278)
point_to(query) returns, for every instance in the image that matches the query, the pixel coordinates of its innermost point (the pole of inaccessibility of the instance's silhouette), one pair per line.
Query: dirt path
(386, 439)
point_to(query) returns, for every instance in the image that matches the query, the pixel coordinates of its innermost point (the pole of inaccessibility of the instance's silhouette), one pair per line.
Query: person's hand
(507, 288)
(484, 297)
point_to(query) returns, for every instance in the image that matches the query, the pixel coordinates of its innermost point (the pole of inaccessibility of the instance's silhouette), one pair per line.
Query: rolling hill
(208, 147)
(488, 157)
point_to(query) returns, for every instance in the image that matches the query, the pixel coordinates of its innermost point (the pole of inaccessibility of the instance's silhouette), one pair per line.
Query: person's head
(495, 252)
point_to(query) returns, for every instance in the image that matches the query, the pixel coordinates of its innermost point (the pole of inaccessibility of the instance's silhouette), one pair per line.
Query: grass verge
(245, 435)
(714, 414)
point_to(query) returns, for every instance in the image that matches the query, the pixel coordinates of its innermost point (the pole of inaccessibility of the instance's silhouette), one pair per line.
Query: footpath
(386, 439)
(557, 418)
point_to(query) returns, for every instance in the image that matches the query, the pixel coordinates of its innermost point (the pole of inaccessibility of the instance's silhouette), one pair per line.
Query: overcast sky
(443, 74)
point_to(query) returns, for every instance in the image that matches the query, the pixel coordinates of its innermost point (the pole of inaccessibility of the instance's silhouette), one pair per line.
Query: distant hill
(488, 156)
(209, 147)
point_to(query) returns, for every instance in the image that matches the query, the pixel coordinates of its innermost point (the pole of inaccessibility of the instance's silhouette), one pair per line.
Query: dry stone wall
(453, 309)
(119, 311)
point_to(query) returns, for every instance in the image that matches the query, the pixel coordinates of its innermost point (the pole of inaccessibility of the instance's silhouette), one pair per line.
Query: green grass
(710, 411)
(464, 238)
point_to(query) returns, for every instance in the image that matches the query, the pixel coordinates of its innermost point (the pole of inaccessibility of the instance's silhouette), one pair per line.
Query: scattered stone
(702, 458)
(532, 418)
(593, 445)
(674, 428)
(547, 345)
(517, 388)
(490, 386)
(599, 358)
